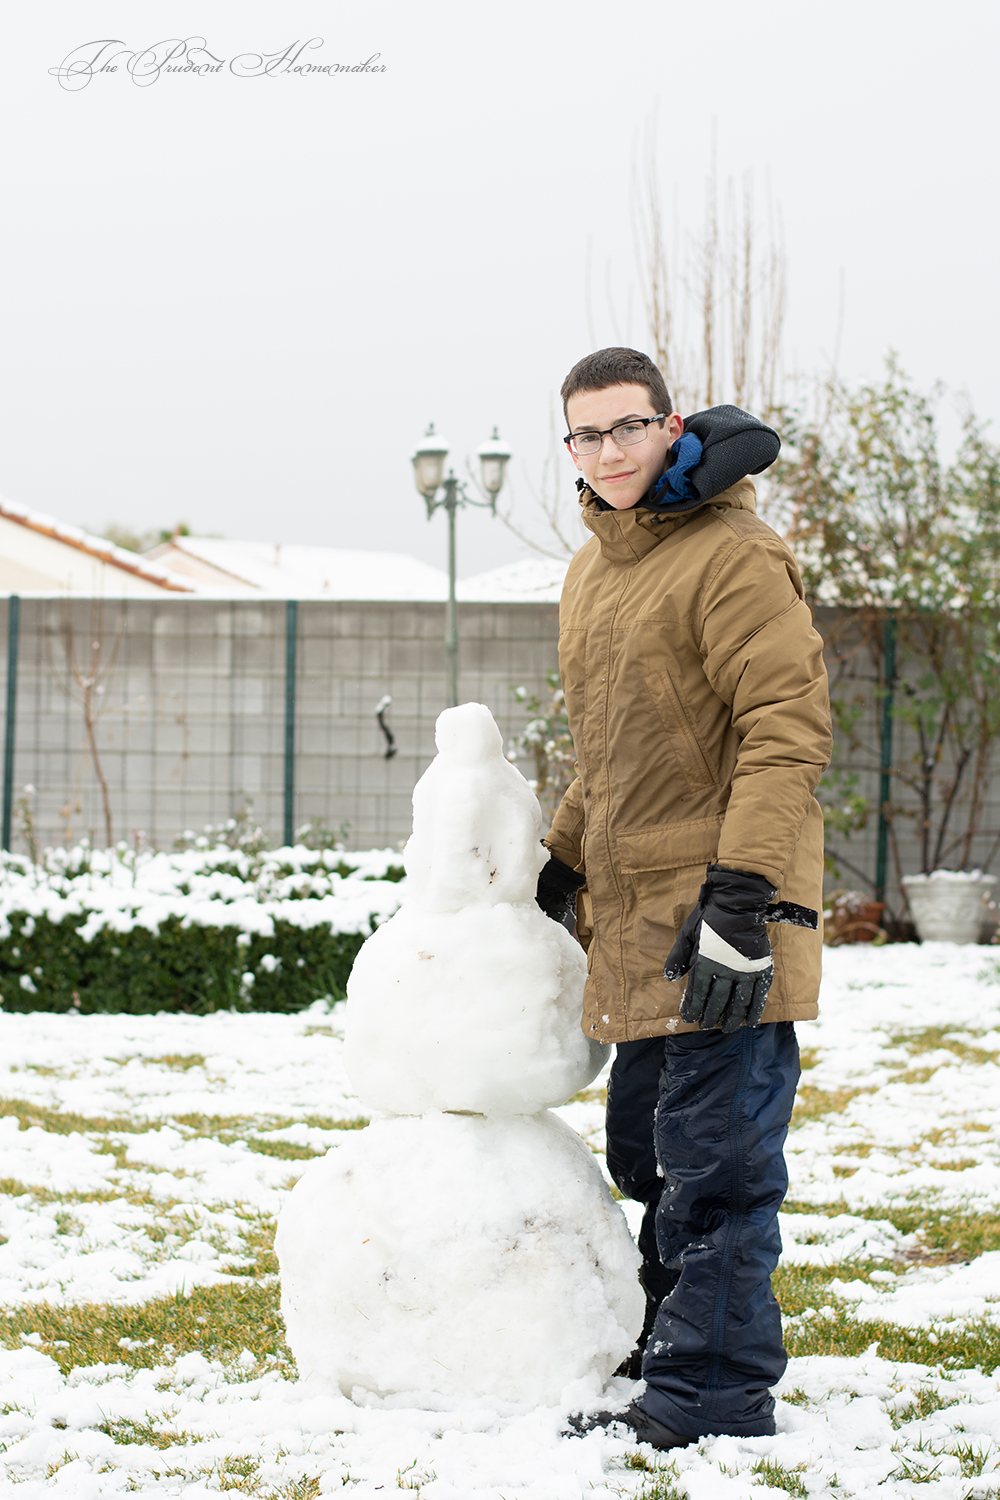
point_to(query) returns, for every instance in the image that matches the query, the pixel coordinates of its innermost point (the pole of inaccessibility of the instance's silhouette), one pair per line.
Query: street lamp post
(428, 471)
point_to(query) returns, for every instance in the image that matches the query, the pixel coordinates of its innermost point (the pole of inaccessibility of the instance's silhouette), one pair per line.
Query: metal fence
(872, 675)
(151, 717)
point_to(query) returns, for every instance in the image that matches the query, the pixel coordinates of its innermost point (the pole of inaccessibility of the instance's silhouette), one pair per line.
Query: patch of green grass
(808, 1058)
(64, 1122)
(917, 1470)
(224, 1128)
(410, 1479)
(800, 1287)
(779, 1478)
(922, 1404)
(972, 1460)
(940, 1039)
(230, 1128)
(659, 1480)
(947, 1135)
(589, 1096)
(836, 1331)
(915, 1076)
(240, 1474)
(284, 1150)
(660, 1485)
(217, 1321)
(971, 1346)
(306, 1488)
(945, 1234)
(258, 1245)
(124, 1430)
(178, 1062)
(797, 1397)
(138, 1197)
(813, 1103)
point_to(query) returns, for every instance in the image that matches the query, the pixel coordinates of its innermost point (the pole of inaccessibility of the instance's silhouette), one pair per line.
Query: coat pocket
(664, 867)
(680, 733)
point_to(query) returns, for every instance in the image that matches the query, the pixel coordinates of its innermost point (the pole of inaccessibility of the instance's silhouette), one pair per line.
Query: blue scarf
(674, 484)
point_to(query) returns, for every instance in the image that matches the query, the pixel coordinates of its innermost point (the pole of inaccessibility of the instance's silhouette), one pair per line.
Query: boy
(697, 699)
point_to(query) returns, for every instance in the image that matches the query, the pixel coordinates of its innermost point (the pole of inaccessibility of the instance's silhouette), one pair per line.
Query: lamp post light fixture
(428, 471)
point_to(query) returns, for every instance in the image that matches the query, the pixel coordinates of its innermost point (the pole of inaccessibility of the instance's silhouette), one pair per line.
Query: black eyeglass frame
(571, 437)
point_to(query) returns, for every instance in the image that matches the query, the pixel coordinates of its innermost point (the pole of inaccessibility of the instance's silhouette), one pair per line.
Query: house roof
(214, 567)
(217, 565)
(38, 568)
(533, 580)
(292, 571)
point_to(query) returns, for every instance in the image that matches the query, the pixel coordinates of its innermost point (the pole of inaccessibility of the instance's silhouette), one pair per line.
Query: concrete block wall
(189, 704)
(189, 707)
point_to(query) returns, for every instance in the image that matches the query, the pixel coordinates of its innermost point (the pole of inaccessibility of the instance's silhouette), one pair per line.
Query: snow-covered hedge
(204, 929)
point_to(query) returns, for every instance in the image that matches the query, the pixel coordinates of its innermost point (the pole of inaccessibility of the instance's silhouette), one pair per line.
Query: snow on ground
(146, 1154)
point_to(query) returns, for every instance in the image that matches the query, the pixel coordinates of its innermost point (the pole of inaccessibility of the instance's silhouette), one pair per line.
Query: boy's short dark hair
(617, 367)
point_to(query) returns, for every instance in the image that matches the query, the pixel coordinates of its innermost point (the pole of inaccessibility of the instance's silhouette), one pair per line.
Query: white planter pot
(949, 906)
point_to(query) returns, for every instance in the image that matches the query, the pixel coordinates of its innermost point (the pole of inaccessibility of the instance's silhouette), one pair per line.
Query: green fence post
(291, 652)
(885, 759)
(13, 634)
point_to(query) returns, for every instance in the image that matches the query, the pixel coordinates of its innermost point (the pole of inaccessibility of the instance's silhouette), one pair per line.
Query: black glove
(556, 893)
(725, 946)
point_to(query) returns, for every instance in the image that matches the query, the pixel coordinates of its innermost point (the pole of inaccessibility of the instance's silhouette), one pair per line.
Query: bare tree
(553, 504)
(715, 314)
(89, 665)
(715, 310)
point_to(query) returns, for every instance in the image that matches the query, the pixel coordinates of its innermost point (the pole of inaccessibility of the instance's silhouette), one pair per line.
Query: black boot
(631, 1366)
(643, 1427)
(657, 1282)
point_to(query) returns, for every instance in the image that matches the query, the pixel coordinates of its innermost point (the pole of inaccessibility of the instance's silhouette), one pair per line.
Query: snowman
(465, 1243)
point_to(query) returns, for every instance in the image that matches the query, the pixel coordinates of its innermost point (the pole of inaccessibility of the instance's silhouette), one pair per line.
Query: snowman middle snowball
(469, 998)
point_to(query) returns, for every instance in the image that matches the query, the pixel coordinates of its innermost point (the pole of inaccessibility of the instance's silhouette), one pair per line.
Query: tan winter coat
(698, 703)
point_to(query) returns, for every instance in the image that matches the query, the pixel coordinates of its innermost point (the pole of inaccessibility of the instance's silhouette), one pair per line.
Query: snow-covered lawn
(143, 1160)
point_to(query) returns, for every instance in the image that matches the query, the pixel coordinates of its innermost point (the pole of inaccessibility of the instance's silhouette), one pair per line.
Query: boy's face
(621, 476)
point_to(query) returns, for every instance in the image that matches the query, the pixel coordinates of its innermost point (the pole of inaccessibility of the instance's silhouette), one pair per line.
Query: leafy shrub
(201, 930)
(192, 969)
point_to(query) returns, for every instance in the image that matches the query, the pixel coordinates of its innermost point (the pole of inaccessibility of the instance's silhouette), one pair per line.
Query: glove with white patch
(725, 948)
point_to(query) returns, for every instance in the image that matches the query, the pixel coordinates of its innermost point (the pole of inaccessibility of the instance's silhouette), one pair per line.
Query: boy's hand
(725, 947)
(556, 892)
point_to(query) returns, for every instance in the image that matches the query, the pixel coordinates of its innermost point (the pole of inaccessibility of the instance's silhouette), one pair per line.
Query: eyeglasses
(625, 435)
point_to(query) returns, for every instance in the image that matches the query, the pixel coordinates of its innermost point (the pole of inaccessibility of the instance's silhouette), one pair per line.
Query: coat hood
(625, 536)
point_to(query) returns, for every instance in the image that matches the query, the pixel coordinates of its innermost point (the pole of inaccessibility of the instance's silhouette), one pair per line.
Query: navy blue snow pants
(711, 1111)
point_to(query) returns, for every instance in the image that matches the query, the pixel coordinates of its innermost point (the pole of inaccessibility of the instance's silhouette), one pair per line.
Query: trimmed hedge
(188, 968)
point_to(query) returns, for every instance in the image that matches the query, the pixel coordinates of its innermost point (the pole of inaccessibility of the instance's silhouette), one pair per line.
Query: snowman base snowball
(442, 1257)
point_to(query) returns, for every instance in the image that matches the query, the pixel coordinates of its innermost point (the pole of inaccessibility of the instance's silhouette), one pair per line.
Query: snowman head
(476, 821)
(468, 735)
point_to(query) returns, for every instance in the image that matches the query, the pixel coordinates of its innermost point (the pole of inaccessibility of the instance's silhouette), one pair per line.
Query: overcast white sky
(238, 300)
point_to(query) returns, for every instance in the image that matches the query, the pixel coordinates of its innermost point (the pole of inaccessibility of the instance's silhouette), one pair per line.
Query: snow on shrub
(208, 927)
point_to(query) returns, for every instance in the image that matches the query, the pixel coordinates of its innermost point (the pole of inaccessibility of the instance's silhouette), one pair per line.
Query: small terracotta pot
(856, 922)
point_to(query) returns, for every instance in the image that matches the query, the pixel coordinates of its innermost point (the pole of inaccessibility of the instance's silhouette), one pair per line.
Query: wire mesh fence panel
(141, 719)
(939, 815)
